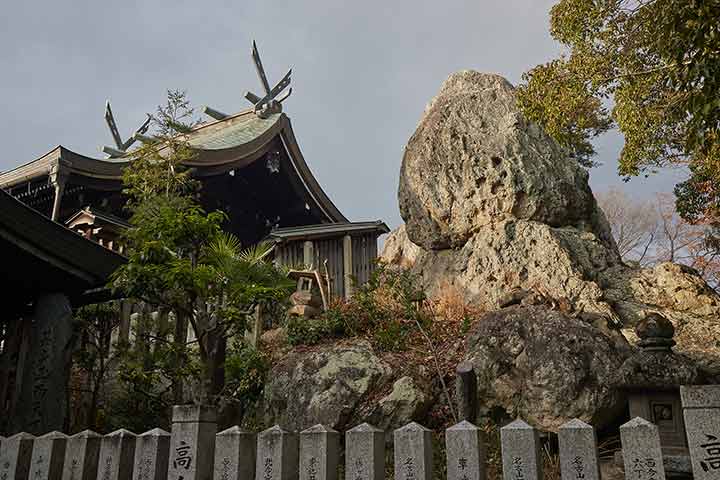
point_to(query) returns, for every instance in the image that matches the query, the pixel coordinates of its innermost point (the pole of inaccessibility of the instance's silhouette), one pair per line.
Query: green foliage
(160, 168)
(145, 371)
(659, 63)
(304, 331)
(179, 258)
(385, 309)
(93, 327)
(245, 371)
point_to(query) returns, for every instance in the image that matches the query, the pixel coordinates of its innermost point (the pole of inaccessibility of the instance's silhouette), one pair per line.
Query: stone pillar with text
(42, 405)
(192, 442)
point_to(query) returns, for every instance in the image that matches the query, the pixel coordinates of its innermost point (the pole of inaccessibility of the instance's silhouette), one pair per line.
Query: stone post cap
(155, 432)
(702, 396)
(365, 428)
(53, 435)
(86, 434)
(318, 428)
(464, 425)
(463, 367)
(638, 422)
(518, 424)
(235, 430)
(274, 430)
(575, 424)
(121, 432)
(194, 414)
(412, 427)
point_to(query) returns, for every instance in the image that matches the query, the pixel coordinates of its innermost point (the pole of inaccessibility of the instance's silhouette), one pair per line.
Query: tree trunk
(214, 366)
(180, 339)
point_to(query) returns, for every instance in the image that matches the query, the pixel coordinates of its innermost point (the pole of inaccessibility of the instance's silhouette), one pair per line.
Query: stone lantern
(651, 378)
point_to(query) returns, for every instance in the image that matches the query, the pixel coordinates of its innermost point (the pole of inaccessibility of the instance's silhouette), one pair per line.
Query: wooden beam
(347, 265)
(309, 255)
(58, 177)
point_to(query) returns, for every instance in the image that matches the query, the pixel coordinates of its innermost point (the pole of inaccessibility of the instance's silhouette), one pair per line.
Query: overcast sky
(363, 72)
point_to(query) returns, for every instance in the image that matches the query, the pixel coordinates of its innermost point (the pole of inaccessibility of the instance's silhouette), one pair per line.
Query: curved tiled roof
(239, 131)
(226, 144)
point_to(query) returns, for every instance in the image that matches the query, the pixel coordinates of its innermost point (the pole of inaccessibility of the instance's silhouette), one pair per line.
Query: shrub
(245, 371)
(387, 309)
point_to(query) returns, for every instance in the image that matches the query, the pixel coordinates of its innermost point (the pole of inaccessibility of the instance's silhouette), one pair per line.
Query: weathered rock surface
(474, 159)
(333, 385)
(405, 402)
(508, 255)
(506, 209)
(546, 367)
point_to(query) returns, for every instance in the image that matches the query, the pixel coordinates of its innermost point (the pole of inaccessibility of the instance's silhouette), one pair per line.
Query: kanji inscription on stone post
(701, 412)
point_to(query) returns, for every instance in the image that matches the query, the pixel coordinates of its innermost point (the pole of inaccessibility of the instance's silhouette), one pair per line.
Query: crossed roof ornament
(121, 146)
(269, 103)
(264, 106)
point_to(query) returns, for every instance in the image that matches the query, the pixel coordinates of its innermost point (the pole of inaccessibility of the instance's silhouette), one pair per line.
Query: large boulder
(339, 385)
(507, 209)
(546, 367)
(474, 159)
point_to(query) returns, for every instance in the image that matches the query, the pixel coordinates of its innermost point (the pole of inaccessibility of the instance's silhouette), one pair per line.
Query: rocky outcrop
(474, 160)
(546, 367)
(340, 385)
(508, 255)
(506, 209)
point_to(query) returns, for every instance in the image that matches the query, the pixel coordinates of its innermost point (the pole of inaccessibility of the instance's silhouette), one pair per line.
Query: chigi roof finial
(122, 147)
(268, 104)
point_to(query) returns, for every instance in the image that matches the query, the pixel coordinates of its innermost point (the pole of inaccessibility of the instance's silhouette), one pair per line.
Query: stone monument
(651, 379)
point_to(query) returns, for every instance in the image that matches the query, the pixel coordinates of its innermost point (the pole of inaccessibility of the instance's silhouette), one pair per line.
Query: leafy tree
(658, 63)
(94, 327)
(180, 259)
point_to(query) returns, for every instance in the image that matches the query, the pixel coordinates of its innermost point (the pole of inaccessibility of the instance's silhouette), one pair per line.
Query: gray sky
(363, 72)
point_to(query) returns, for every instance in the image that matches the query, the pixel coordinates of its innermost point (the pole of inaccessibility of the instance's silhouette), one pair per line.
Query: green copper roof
(242, 130)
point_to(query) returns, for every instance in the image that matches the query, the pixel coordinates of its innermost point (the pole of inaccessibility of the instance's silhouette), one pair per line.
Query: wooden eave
(327, 230)
(74, 263)
(90, 217)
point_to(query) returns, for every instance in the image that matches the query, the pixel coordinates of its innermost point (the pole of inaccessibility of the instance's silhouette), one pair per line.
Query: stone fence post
(642, 455)
(15, 455)
(701, 411)
(319, 453)
(520, 452)
(192, 443)
(235, 455)
(465, 452)
(578, 451)
(413, 453)
(117, 453)
(48, 456)
(466, 392)
(365, 453)
(277, 455)
(81, 456)
(152, 451)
